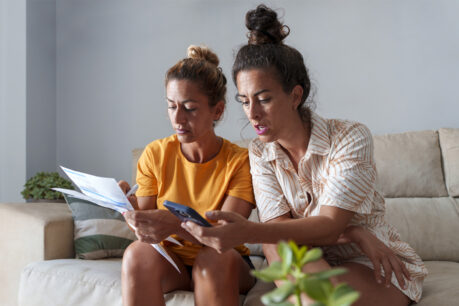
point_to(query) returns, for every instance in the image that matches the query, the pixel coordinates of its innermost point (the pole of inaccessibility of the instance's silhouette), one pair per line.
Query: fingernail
(378, 281)
(388, 286)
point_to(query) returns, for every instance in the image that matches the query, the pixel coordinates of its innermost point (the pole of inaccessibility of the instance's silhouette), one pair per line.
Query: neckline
(193, 164)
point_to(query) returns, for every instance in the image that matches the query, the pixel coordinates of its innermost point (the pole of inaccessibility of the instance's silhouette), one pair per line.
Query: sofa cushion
(441, 285)
(449, 141)
(409, 165)
(429, 225)
(99, 232)
(71, 282)
(74, 282)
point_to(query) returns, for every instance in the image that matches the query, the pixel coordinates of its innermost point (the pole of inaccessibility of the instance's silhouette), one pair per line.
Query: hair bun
(264, 26)
(202, 53)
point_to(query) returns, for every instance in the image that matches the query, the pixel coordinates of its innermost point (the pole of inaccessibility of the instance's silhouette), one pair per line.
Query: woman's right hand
(152, 226)
(132, 198)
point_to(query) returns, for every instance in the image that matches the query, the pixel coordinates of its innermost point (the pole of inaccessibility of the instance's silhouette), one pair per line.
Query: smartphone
(185, 213)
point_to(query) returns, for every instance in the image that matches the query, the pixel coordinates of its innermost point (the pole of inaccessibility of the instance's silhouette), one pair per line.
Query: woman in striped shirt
(313, 178)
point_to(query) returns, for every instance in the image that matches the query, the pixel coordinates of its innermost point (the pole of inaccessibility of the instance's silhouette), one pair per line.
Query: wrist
(354, 233)
(169, 222)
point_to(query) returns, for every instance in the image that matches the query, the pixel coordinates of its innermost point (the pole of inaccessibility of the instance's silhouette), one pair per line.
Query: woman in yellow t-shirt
(196, 168)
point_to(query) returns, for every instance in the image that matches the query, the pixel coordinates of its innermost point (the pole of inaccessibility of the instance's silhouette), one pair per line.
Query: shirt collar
(319, 142)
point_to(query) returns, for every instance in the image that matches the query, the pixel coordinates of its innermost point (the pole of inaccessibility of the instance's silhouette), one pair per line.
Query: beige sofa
(418, 174)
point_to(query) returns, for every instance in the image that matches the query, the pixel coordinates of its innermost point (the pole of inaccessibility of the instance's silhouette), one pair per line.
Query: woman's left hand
(230, 230)
(378, 253)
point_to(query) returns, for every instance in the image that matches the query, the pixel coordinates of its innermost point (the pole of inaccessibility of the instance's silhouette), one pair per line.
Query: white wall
(12, 99)
(41, 86)
(390, 64)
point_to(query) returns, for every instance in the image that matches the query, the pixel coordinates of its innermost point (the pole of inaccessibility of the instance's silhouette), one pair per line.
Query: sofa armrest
(31, 232)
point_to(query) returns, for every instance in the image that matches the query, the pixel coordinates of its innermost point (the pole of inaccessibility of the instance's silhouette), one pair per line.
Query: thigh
(146, 266)
(362, 279)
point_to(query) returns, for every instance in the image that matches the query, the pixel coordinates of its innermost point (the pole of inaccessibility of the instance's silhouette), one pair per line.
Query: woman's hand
(378, 253)
(152, 226)
(132, 198)
(231, 230)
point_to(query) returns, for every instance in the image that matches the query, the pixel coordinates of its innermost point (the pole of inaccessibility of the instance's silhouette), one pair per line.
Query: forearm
(315, 230)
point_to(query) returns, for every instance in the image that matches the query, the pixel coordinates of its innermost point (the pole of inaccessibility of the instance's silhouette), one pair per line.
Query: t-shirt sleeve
(269, 196)
(351, 179)
(240, 185)
(146, 178)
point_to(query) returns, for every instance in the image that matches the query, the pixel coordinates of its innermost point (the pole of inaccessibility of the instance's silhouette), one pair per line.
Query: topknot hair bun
(264, 26)
(202, 53)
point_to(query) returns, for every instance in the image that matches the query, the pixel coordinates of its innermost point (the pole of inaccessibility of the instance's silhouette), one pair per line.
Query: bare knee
(212, 265)
(139, 260)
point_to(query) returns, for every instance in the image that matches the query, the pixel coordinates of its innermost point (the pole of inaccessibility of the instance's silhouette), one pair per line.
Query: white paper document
(106, 192)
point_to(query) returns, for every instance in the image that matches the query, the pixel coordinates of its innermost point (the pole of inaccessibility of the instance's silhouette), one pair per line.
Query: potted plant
(38, 187)
(316, 285)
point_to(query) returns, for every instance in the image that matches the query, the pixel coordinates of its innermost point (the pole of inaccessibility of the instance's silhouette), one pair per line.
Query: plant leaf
(311, 255)
(278, 295)
(296, 251)
(319, 304)
(317, 289)
(301, 253)
(271, 273)
(344, 295)
(329, 273)
(38, 186)
(286, 254)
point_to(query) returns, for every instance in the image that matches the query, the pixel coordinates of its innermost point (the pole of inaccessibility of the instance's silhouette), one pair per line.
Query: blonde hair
(201, 66)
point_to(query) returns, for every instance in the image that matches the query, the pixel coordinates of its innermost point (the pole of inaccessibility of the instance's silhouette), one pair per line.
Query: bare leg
(219, 278)
(362, 279)
(146, 275)
(359, 277)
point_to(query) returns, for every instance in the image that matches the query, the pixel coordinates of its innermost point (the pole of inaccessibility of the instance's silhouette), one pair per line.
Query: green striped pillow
(99, 232)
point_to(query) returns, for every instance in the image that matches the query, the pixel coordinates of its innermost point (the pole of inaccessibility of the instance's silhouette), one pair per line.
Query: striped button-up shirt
(337, 170)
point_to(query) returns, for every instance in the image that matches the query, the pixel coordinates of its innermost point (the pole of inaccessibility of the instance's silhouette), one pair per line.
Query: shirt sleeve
(240, 185)
(351, 179)
(146, 178)
(269, 196)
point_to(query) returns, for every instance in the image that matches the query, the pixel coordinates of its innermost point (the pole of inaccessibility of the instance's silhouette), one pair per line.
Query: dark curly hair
(266, 50)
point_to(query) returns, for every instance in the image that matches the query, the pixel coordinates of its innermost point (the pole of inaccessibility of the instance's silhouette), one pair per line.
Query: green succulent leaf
(343, 295)
(316, 285)
(286, 303)
(329, 273)
(271, 273)
(311, 255)
(286, 254)
(279, 295)
(317, 289)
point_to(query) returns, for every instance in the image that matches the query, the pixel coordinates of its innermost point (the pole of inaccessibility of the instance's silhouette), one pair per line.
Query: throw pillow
(99, 232)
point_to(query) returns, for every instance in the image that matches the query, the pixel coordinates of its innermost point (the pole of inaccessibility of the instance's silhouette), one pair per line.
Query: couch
(418, 174)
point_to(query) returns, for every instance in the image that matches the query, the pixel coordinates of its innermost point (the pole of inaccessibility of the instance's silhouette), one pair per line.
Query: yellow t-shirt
(164, 172)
